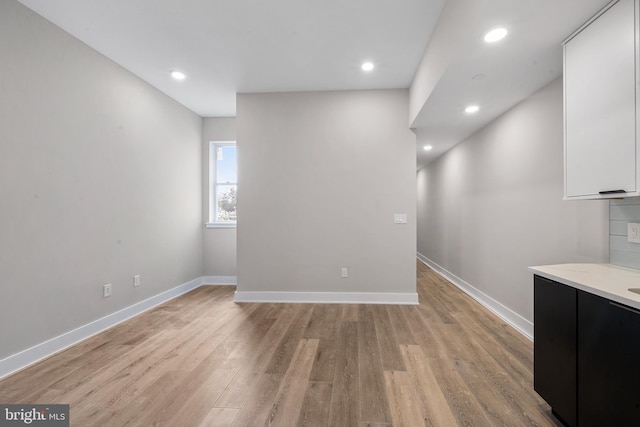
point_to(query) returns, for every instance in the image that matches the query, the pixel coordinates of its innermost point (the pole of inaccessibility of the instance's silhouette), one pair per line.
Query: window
(223, 180)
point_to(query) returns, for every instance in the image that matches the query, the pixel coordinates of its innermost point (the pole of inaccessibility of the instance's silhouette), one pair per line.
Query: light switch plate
(399, 218)
(633, 232)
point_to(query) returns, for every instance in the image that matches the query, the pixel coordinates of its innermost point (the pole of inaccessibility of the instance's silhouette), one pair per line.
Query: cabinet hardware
(612, 192)
(624, 307)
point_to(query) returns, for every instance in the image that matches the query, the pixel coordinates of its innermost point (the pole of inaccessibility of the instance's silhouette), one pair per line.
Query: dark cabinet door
(554, 350)
(608, 362)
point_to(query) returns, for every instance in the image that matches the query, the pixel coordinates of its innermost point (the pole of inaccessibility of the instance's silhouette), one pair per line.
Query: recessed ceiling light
(471, 109)
(495, 35)
(367, 66)
(178, 75)
(427, 148)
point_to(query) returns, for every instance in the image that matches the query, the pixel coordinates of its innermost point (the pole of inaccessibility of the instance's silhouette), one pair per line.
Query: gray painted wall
(100, 177)
(621, 252)
(492, 206)
(219, 244)
(321, 176)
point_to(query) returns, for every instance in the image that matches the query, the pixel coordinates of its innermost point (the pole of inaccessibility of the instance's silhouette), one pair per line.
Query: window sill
(220, 225)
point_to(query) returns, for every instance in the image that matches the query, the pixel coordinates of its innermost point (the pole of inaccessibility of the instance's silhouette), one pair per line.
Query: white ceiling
(514, 68)
(232, 46)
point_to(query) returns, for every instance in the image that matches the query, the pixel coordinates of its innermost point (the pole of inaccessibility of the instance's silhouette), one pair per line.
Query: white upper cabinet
(600, 106)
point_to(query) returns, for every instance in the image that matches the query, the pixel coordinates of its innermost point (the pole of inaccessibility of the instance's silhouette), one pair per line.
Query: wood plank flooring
(203, 360)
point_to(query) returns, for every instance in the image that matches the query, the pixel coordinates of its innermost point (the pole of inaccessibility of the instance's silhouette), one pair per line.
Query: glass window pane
(226, 203)
(226, 164)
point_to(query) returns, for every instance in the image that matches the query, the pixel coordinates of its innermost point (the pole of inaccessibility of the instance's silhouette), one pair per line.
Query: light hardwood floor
(202, 360)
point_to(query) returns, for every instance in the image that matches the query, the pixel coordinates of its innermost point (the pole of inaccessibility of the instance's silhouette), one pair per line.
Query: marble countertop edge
(606, 280)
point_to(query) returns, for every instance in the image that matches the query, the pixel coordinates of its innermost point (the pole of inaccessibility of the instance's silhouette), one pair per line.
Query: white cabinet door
(600, 105)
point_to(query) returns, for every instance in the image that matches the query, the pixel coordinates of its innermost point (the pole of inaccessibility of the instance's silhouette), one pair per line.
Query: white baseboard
(219, 280)
(25, 358)
(48, 348)
(329, 297)
(518, 322)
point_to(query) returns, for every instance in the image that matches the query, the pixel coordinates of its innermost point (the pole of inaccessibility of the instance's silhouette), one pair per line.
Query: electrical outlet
(106, 290)
(136, 280)
(344, 272)
(633, 232)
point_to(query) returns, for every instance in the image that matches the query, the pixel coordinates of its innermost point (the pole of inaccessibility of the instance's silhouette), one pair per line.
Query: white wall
(320, 177)
(219, 245)
(100, 179)
(492, 205)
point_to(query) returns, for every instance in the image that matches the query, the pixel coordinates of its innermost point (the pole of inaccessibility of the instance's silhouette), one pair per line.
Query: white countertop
(605, 280)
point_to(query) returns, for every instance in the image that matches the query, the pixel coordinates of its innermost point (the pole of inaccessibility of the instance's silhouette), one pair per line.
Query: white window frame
(213, 184)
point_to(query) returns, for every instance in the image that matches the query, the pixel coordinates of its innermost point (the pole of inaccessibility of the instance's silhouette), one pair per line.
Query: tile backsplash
(621, 252)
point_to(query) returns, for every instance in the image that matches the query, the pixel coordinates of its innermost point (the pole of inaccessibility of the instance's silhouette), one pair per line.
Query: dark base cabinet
(554, 352)
(608, 362)
(586, 356)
